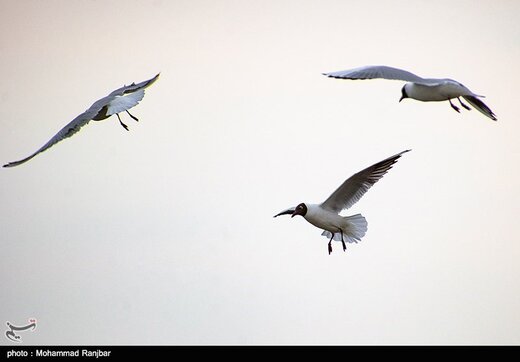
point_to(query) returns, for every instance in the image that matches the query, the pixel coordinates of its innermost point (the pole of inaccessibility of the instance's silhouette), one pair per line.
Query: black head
(403, 93)
(301, 209)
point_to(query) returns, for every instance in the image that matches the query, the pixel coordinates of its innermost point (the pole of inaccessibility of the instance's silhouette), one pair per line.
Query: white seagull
(421, 89)
(326, 215)
(120, 100)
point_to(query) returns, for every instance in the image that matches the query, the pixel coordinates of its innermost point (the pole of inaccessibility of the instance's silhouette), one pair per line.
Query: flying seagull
(120, 100)
(421, 89)
(326, 215)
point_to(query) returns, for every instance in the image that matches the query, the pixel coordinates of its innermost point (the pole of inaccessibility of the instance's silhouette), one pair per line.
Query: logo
(11, 332)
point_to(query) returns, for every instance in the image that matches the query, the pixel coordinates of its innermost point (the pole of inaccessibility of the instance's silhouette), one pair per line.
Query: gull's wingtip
(398, 155)
(10, 164)
(150, 81)
(154, 78)
(19, 162)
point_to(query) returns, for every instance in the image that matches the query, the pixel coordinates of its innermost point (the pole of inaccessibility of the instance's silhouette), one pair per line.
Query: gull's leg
(343, 241)
(122, 124)
(463, 105)
(454, 106)
(133, 117)
(330, 241)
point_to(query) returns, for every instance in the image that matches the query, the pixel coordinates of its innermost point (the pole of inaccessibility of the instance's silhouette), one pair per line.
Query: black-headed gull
(421, 89)
(326, 215)
(120, 100)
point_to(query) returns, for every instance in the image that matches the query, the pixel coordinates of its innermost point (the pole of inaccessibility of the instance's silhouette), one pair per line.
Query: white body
(353, 227)
(324, 219)
(444, 90)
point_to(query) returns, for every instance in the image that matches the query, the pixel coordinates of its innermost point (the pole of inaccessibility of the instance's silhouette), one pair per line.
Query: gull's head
(403, 93)
(301, 209)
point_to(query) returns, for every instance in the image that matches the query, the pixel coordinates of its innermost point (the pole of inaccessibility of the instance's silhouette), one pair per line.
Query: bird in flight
(326, 215)
(421, 89)
(120, 100)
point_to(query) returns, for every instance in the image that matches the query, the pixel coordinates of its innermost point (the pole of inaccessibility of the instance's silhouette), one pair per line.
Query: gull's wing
(380, 72)
(67, 131)
(125, 102)
(355, 187)
(133, 87)
(128, 96)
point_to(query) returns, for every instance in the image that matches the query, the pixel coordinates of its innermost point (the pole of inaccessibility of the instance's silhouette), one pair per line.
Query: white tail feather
(354, 228)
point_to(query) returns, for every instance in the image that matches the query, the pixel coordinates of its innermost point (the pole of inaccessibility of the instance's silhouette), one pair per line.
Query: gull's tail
(354, 228)
(480, 106)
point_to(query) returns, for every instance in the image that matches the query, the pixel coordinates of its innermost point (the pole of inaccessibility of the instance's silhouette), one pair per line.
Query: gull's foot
(133, 117)
(121, 122)
(464, 105)
(454, 106)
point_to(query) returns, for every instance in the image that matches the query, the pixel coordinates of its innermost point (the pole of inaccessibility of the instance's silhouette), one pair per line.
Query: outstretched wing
(357, 185)
(379, 72)
(67, 131)
(128, 96)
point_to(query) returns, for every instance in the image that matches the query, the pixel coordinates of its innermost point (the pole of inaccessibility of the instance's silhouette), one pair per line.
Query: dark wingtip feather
(481, 107)
(13, 164)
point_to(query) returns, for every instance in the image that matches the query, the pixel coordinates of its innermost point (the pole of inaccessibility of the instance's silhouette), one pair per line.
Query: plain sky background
(165, 234)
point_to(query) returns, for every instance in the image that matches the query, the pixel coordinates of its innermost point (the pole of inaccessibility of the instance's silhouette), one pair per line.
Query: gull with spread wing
(326, 215)
(421, 89)
(120, 100)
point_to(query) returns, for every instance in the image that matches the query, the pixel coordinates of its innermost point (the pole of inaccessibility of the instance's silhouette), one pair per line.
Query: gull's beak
(285, 212)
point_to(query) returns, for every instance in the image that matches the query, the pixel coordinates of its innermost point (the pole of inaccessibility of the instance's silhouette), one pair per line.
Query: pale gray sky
(165, 235)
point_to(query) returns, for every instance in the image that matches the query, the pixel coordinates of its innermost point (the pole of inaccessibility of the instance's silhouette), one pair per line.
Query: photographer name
(97, 353)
